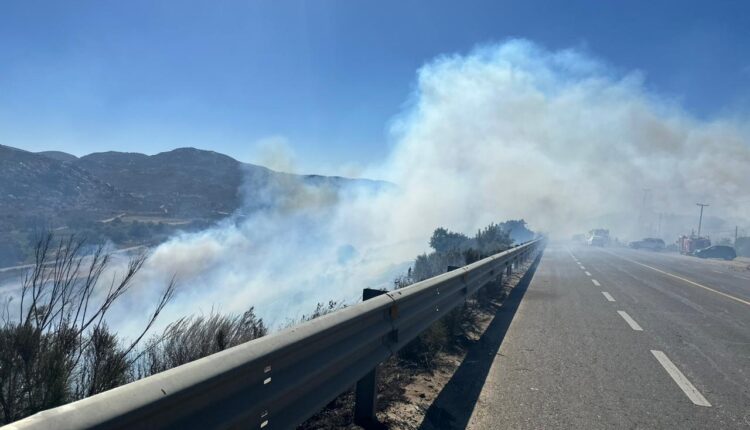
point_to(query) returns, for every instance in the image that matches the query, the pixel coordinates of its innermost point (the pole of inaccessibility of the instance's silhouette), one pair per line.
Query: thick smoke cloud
(556, 137)
(507, 131)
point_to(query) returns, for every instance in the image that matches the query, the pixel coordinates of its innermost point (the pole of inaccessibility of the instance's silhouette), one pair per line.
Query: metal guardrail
(278, 381)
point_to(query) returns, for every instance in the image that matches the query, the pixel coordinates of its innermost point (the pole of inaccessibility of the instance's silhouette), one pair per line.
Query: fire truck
(692, 243)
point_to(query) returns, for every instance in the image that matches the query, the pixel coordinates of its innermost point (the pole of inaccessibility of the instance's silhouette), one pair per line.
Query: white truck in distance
(598, 237)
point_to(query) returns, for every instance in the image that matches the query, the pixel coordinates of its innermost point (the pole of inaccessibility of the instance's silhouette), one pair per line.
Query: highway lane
(705, 331)
(653, 352)
(732, 278)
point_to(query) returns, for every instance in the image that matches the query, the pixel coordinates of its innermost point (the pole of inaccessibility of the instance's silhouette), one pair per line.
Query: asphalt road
(617, 338)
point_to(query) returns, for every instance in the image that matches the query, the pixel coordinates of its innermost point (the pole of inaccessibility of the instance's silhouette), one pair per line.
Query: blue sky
(328, 76)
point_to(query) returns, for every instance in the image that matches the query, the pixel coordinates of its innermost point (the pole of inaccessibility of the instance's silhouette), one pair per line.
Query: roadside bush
(492, 239)
(445, 334)
(195, 337)
(320, 310)
(454, 249)
(433, 264)
(518, 231)
(55, 347)
(106, 364)
(423, 350)
(58, 348)
(451, 249)
(323, 309)
(443, 241)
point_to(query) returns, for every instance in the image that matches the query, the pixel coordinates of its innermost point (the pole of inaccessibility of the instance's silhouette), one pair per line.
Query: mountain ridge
(117, 196)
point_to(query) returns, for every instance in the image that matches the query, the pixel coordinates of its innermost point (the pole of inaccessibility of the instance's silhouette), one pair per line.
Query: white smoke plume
(507, 131)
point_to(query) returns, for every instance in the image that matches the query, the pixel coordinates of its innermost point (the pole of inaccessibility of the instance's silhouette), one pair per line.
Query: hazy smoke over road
(507, 131)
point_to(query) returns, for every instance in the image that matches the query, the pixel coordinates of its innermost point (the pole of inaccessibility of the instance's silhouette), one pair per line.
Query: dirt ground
(419, 394)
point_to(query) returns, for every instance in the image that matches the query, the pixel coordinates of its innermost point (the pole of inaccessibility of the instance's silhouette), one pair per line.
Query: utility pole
(700, 220)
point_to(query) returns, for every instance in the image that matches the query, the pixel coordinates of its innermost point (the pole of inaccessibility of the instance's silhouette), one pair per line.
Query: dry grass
(191, 338)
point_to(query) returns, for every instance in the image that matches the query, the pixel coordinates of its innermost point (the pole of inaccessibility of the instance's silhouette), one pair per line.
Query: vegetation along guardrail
(280, 380)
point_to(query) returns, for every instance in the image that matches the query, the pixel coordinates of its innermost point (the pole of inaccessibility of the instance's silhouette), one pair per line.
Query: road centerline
(588, 273)
(631, 322)
(596, 282)
(608, 296)
(678, 377)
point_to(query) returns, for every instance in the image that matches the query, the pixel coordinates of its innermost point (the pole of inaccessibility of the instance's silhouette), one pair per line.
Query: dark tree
(492, 239)
(518, 231)
(443, 240)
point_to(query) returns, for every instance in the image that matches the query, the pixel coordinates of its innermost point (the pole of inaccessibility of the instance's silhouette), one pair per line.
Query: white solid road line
(596, 282)
(608, 296)
(729, 296)
(689, 389)
(588, 274)
(631, 322)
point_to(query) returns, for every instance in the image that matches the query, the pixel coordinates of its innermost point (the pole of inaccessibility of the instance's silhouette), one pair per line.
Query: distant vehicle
(651, 243)
(579, 238)
(689, 244)
(598, 237)
(717, 251)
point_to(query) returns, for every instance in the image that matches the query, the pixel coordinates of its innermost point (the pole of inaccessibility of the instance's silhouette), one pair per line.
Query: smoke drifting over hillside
(507, 131)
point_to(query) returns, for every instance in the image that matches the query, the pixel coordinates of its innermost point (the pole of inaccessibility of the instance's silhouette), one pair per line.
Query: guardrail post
(366, 393)
(509, 269)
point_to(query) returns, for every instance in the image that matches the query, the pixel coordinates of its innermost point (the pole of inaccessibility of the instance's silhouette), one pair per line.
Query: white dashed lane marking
(631, 322)
(689, 389)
